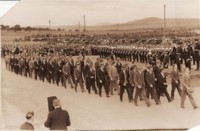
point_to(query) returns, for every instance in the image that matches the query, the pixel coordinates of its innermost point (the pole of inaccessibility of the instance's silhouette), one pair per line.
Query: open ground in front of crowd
(91, 112)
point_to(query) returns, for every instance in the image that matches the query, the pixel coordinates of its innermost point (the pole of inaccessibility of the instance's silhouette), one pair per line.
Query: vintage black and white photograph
(103, 65)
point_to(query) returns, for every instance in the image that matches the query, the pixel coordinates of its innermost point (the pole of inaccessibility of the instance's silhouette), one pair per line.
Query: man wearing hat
(28, 124)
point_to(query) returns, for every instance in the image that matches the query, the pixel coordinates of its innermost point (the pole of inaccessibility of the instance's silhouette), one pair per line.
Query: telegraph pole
(164, 19)
(84, 29)
(78, 25)
(49, 24)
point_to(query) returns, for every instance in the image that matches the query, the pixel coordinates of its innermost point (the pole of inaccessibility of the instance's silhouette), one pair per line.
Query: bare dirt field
(90, 112)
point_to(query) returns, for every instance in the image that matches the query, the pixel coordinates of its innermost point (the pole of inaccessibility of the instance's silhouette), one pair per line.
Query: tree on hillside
(28, 28)
(17, 28)
(5, 27)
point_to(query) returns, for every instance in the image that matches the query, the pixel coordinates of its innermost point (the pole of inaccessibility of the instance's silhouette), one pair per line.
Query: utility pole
(164, 19)
(49, 24)
(78, 25)
(84, 29)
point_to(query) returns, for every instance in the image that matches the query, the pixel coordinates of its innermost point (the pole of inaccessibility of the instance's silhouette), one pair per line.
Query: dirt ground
(90, 112)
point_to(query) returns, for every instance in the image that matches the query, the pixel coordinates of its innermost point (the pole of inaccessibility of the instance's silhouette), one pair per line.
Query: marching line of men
(175, 55)
(111, 75)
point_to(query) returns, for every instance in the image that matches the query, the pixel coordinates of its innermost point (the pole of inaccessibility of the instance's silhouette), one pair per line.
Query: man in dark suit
(124, 82)
(150, 83)
(91, 79)
(100, 78)
(57, 119)
(162, 84)
(28, 124)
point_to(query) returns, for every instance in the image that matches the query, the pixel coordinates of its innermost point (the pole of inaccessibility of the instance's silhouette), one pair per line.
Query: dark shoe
(141, 99)
(148, 105)
(107, 96)
(83, 90)
(158, 103)
(121, 100)
(196, 107)
(75, 89)
(135, 103)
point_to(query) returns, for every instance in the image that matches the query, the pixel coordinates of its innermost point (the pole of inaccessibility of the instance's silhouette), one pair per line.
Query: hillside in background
(147, 23)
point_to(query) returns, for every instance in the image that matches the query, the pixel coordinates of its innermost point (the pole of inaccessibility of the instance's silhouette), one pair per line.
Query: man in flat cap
(28, 124)
(57, 119)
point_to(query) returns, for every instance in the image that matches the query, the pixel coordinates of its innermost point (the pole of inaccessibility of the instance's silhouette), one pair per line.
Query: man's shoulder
(27, 126)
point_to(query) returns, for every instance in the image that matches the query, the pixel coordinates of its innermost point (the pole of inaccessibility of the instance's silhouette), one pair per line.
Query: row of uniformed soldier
(176, 55)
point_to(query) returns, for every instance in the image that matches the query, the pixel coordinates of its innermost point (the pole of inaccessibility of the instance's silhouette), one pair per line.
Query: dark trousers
(175, 86)
(87, 80)
(197, 65)
(36, 73)
(164, 90)
(100, 88)
(91, 83)
(152, 90)
(58, 79)
(188, 64)
(122, 88)
(131, 91)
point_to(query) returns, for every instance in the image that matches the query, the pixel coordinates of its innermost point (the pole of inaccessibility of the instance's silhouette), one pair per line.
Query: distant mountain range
(147, 23)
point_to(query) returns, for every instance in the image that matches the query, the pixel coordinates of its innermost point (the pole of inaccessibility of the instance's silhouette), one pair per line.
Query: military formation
(107, 74)
(181, 53)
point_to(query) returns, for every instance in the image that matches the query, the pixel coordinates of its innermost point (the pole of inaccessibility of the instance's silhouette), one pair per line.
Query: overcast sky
(69, 12)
